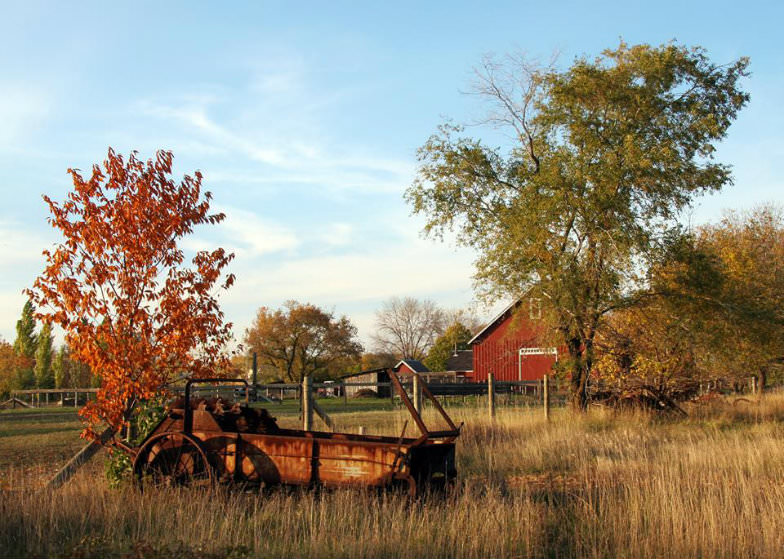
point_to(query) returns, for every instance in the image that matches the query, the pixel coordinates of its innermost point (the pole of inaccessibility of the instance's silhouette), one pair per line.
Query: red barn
(509, 345)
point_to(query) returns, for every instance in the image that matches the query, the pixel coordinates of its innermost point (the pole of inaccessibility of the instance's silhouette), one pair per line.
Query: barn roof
(463, 361)
(414, 365)
(350, 375)
(496, 321)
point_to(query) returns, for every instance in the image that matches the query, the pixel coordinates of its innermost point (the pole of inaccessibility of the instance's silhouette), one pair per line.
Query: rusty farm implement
(203, 443)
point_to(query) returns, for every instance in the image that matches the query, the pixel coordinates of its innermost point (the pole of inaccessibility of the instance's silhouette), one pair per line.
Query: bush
(146, 417)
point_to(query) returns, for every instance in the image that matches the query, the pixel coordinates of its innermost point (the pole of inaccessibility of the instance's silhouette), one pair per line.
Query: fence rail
(55, 391)
(33, 397)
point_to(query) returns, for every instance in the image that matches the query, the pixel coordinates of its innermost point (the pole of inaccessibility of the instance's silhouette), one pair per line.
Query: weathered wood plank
(80, 459)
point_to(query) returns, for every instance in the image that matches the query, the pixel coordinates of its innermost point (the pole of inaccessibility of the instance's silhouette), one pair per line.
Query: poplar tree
(44, 377)
(59, 367)
(26, 341)
(24, 348)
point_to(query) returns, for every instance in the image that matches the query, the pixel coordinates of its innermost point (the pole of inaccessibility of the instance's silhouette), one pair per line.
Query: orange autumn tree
(120, 288)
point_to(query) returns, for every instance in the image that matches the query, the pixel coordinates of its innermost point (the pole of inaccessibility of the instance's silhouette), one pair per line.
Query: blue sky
(305, 119)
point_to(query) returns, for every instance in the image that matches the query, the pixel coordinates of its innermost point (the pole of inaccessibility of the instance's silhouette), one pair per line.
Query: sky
(305, 118)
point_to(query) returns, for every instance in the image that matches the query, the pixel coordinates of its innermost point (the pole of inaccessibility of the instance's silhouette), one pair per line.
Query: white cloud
(332, 178)
(281, 134)
(245, 233)
(255, 236)
(358, 281)
(194, 116)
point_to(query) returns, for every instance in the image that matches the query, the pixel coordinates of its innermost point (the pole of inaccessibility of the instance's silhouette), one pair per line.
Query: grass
(291, 407)
(36, 443)
(594, 485)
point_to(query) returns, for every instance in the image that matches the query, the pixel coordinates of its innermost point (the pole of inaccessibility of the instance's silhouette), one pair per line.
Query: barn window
(534, 308)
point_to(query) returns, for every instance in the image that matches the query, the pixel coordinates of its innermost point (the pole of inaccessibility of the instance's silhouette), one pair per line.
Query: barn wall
(382, 391)
(351, 391)
(496, 352)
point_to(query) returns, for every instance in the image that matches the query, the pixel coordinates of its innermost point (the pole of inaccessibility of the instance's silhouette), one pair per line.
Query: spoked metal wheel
(172, 460)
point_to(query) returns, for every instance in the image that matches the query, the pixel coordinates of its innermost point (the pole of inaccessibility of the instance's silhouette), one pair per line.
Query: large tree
(303, 340)
(454, 339)
(118, 284)
(604, 156)
(407, 327)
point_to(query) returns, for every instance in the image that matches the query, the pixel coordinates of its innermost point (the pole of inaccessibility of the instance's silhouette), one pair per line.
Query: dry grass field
(599, 485)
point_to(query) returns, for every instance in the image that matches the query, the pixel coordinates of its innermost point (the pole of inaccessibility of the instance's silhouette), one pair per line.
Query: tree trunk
(579, 375)
(579, 387)
(762, 380)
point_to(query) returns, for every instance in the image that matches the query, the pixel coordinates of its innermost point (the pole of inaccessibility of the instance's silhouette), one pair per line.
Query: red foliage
(131, 309)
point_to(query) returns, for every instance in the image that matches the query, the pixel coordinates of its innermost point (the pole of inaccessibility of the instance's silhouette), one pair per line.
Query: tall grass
(596, 485)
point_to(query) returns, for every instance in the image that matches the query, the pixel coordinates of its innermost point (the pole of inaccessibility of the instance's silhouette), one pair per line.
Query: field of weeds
(595, 485)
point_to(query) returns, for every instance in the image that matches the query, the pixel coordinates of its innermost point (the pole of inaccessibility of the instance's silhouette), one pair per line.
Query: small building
(408, 366)
(510, 345)
(370, 377)
(461, 364)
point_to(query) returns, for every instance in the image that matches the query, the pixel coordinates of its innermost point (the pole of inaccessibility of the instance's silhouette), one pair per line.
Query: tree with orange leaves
(119, 286)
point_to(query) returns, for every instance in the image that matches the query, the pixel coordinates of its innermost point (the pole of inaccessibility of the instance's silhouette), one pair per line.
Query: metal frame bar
(407, 402)
(426, 433)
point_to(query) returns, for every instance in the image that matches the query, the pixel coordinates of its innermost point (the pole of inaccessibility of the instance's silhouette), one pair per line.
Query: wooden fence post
(80, 458)
(417, 394)
(255, 372)
(546, 396)
(491, 395)
(307, 408)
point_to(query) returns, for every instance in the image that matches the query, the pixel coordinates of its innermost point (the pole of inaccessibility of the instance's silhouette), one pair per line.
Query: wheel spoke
(173, 459)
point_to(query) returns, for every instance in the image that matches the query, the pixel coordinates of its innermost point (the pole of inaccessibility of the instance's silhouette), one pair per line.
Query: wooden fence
(38, 397)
